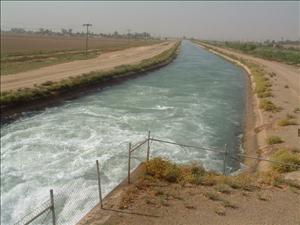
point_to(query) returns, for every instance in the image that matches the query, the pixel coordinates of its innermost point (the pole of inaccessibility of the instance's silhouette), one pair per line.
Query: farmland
(289, 54)
(21, 53)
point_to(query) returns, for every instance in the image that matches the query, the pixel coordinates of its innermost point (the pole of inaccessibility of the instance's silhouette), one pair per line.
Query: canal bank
(50, 93)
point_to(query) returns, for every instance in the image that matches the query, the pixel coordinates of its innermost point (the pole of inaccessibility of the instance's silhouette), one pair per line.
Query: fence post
(52, 207)
(148, 146)
(129, 157)
(99, 183)
(225, 159)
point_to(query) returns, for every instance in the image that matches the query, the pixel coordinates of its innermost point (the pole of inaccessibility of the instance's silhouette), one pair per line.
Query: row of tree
(71, 33)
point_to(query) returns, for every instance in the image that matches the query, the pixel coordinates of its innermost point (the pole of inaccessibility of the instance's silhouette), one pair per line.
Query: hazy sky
(210, 20)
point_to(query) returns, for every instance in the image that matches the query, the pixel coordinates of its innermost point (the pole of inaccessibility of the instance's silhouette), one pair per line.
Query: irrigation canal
(198, 99)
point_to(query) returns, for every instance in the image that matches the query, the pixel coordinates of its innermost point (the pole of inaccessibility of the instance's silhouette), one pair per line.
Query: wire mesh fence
(137, 153)
(219, 158)
(39, 215)
(69, 202)
(74, 200)
(211, 158)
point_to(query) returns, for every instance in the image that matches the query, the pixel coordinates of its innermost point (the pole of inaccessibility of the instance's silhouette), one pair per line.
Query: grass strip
(49, 88)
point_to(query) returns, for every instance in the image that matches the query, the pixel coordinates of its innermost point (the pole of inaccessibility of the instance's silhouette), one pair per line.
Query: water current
(198, 99)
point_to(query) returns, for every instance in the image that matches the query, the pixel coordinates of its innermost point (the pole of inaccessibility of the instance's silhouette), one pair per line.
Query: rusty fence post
(129, 158)
(99, 183)
(148, 146)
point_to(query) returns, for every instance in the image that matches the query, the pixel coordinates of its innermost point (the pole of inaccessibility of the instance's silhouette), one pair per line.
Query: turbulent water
(198, 99)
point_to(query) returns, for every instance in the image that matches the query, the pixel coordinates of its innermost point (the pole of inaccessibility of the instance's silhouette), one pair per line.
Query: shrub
(285, 156)
(262, 197)
(262, 83)
(265, 94)
(156, 167)
(165, 170)
(274, 140)
(220, 211)
(290, 116)
(242, 181)
(287, 122)
(196, 174)
(47, 83)
(269, 178)
(215, 197)
(267, 105)
(228, 204)
(197, 170)
(212, 196)
(171, 173)
(209, 179)
(223, 188)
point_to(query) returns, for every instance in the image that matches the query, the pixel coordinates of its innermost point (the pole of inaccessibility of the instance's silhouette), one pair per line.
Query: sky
(217, 20)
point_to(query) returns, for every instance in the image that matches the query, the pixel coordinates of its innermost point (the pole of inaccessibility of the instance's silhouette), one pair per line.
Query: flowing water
(198, 99)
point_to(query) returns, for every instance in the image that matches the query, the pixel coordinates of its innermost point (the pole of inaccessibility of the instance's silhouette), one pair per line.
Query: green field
(270, 51)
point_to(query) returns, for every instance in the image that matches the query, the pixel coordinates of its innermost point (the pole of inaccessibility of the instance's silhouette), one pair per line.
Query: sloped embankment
(16, 101)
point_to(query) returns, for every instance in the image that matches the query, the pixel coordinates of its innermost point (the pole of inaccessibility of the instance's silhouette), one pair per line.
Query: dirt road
(103, 62)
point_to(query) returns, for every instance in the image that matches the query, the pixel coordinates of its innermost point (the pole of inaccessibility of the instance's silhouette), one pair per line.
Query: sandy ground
(160, 202)
(286, 94)
(173, 204)
(103, 62)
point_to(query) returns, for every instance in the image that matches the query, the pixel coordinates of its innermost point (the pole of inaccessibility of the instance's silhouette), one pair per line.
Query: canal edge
(253, 115)
(15, 111)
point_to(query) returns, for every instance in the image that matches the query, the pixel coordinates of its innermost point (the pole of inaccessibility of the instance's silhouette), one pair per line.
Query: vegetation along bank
(23, 99)
(276, 119)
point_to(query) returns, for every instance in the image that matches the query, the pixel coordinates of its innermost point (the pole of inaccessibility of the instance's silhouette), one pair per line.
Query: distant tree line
(284, 51)
(70, 33)
(251, 46)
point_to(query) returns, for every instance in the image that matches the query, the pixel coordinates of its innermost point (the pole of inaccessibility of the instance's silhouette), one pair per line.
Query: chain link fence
(64, 206)
(40, 215)
(74, 200)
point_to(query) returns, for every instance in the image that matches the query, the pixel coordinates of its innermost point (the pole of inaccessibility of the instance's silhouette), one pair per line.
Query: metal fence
(59, 208)
(45, 213)
(138, 147)
(41, 214)
(240, 157)
(60, 200)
